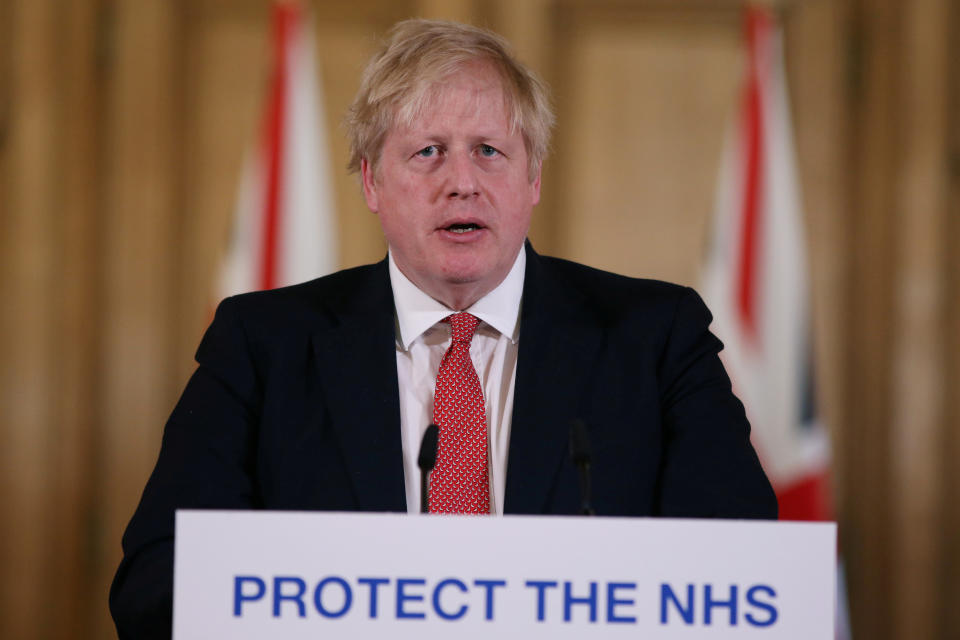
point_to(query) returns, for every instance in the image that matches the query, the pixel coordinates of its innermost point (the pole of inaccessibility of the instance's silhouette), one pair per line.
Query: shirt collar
(417, 311)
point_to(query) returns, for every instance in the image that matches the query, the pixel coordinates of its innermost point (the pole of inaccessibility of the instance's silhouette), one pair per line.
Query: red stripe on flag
(284, 18)
(756, 25)
(806, 499)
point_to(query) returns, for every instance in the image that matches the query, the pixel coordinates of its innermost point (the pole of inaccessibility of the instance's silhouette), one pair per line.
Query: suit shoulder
(327, 295)
(613, 289)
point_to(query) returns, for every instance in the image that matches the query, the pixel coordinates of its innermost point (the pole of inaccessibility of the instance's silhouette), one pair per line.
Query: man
(316, 396)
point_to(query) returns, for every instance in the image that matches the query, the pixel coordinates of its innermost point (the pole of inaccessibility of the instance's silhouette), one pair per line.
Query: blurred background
(123, 130)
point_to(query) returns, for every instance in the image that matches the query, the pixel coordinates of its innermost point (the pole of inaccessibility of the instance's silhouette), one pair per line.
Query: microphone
(426, 460)
(580, 456)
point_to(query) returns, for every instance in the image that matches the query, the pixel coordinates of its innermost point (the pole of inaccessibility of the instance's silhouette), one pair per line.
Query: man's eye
(487, 151)
(428, 152)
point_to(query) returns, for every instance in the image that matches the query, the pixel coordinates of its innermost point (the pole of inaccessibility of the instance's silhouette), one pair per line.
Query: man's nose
(462, 176)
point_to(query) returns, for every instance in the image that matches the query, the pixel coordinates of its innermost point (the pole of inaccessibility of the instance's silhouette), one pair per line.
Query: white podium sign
(283, 575)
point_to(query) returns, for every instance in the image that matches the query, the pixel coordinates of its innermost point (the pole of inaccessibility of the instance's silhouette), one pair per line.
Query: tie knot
(462, 326)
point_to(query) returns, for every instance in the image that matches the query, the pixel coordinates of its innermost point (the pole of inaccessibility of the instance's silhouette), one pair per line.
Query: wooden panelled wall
(122, 132)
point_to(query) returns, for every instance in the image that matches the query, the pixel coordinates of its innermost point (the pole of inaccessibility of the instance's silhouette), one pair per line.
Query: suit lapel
(358, 373)
(559, 340)
(357, 367)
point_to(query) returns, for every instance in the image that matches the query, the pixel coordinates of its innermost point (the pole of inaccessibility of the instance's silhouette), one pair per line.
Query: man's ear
(370, 186)
(535, 185)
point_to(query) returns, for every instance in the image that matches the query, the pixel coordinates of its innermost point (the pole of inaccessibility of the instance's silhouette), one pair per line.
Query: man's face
(453, 191)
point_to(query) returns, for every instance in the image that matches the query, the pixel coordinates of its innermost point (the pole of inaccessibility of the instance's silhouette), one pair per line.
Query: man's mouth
(463, 227)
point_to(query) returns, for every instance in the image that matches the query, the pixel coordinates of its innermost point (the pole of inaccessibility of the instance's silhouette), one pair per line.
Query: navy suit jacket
(295, 405)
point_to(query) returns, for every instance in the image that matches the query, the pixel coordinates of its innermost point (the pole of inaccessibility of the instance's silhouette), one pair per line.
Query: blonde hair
(418, 55)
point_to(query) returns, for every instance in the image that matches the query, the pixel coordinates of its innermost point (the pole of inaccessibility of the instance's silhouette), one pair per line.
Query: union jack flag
(756, 284)
(283, 227)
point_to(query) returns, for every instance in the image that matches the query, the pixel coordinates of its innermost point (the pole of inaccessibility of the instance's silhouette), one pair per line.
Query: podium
(286, 575)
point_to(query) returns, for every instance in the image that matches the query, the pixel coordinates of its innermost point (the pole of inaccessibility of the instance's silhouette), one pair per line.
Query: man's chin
(463, 267)
(461, 287)
(463, 280)
(463, 275)
(480, 269)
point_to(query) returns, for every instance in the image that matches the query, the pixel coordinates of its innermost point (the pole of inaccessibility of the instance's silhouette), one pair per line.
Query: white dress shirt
(421, 341)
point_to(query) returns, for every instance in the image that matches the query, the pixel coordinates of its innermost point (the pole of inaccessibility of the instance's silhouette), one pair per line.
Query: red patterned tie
(458, 483)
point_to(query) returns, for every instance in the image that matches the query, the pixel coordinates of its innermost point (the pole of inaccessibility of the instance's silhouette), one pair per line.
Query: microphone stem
(585, 507)
(424, 492)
